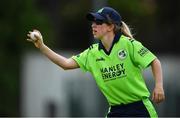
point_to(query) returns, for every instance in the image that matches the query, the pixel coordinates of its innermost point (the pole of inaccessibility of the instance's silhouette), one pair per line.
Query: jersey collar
(115, 40)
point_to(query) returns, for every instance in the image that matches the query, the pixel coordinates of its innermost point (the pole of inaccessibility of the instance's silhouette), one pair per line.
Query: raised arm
(158, 92)
(63, 62)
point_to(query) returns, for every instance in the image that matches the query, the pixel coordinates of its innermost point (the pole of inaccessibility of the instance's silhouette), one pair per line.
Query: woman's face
(99, 29)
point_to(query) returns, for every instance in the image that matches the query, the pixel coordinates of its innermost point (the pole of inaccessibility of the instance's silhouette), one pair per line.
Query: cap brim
(94, 16)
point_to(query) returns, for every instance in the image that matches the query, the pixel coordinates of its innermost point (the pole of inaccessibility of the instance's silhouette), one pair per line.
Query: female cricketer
(116, 63)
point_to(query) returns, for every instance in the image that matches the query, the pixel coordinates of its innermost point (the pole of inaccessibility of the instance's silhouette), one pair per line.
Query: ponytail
(122, 28)
(126, 30)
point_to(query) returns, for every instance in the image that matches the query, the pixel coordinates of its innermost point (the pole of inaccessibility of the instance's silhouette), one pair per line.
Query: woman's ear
(111, 27)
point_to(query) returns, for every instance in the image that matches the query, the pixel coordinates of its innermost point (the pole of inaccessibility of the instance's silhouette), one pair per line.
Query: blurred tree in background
(17, 17)
(154, 22)
(63, 26)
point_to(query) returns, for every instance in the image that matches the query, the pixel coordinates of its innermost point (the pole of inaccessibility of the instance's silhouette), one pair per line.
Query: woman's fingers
(158, 97)
(30, 40)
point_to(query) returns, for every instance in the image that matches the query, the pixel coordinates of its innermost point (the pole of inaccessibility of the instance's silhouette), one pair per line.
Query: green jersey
(119, 73)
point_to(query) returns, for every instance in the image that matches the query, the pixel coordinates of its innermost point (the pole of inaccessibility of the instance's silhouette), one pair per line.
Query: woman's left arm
(158, 92)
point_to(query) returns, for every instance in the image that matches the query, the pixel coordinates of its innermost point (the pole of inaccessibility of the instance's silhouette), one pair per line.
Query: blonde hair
(124, 29)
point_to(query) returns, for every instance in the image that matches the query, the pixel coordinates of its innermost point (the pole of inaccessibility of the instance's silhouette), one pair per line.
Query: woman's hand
(158, 94)
(38, 41)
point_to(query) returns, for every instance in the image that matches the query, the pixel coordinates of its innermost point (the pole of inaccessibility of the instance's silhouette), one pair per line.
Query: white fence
(47, 90)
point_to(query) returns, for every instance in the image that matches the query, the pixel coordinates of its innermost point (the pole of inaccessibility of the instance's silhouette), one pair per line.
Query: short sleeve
(82, 60)
(142, 56)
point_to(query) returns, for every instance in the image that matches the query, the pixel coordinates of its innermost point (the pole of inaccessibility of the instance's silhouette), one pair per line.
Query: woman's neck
(107, 40)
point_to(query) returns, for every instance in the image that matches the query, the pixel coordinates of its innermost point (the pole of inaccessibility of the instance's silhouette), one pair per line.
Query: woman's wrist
(42, 47)
(159, 84)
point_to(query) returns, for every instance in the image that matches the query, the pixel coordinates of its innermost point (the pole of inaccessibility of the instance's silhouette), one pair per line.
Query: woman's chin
(94, 36)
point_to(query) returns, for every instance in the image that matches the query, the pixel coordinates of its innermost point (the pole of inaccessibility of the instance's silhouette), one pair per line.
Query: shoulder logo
(100, 59)
(143, 51)
(122, 54)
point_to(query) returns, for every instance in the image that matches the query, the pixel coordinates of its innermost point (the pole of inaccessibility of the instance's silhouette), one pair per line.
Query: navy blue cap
(104, 14)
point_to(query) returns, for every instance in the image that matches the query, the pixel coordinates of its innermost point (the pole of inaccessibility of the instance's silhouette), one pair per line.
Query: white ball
(32, 35)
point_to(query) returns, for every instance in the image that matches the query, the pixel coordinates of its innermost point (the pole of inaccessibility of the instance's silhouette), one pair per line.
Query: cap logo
(99, 11)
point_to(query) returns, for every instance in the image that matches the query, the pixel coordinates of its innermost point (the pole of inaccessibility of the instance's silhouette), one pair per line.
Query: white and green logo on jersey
(122, 54)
